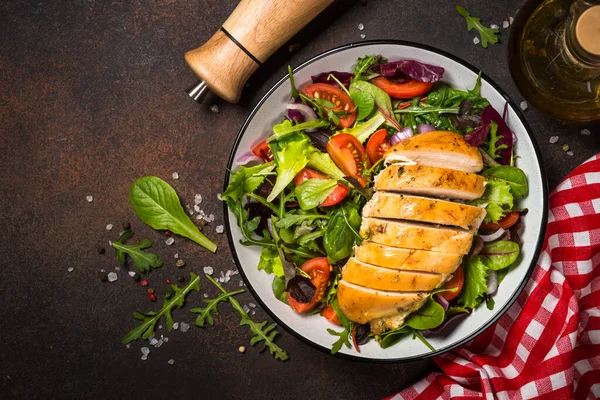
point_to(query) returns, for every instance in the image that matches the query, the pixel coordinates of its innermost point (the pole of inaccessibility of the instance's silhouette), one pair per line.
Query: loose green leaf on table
(488, 35)
(156, 203)
(175, 299)
(205, 314)
(259, 331)
(143, 260)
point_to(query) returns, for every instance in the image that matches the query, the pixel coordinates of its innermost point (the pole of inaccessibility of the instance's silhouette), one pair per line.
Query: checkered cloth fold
(547, 346)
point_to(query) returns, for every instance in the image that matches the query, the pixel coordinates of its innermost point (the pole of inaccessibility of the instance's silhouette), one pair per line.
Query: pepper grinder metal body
(254, 31)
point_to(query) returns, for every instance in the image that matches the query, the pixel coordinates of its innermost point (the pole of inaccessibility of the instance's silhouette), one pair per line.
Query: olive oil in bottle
(554, 57)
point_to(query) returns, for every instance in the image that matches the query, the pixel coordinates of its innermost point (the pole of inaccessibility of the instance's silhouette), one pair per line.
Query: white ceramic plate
(459, 74)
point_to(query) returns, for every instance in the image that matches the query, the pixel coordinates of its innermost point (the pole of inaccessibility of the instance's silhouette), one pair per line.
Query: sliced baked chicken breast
(380, 278)
(407, 259)
(437, 149)
(361, 304)
(411, 235)
(430, 181)
(423, 209)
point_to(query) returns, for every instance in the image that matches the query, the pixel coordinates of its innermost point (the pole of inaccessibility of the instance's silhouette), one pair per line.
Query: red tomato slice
(329, 313)
(263, 151)
(349, 155)
(338, 194)
(377, 145)
(319, 270)
(342, 101)
(406, 90)
(457, 281)
(506, 222)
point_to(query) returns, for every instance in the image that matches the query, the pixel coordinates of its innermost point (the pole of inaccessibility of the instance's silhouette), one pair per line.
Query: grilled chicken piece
(361, 304)
(437, 149)
(374, 277)
(407, 259)
(416, 236)
(431, 181)
(415, 208)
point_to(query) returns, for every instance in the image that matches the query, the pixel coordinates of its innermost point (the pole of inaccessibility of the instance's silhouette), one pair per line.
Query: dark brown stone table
(91, 98)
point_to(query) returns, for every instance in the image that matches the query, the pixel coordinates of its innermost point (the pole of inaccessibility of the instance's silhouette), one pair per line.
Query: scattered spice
(476, 40)
(131, 273)
(150, 291)
(171, 361)
(184, 327)
(586, 132)
(103, 277)
(362, 36)
(565, 147)
(361, 27)
(180, 263)
(181, 279)
(152, 297)
(242, 349)
(89, 198)
(109, 227)
(168, 233)
(208, 270)
(219, 229)
(168, 281)
(570, 153)
(70, 269)
(505, 24)
(524, 106)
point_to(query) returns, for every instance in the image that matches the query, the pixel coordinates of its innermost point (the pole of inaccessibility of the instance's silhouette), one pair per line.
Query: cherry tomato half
(349, 155)
(506, 222)
(329, 314)
(335, 197)
(406, 90)
(457, 281)
(263, 151)
(343, 102)
(319, 270)
(378, 145)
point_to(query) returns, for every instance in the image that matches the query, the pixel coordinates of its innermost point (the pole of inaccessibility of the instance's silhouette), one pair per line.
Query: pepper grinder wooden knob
(253, 32)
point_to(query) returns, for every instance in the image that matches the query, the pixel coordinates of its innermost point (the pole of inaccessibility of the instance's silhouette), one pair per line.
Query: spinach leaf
(382, 100)
(499, 255)
(278, 287)
(143, 260)
(515, 177)
(392, 337)
(290, 155)
(364, 102)
(430, 316)
(205, 314)
(341, 232)
(174, 299)
(475, 286)
(488, 35)
(313, 192)
(156, 203)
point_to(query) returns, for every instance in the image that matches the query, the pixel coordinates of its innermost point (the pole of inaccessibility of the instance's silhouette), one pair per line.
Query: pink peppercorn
(152, 296)
(168, 281)
(168, 233)
(144, 283)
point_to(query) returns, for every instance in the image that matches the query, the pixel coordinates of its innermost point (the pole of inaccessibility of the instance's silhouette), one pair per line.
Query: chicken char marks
(414, 243)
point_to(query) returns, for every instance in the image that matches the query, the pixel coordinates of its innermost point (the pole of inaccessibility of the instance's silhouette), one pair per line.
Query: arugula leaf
(364, 102)
(475, 286)
(156, 203)
(492, 146)
(294, 217)
(151, 318)
(499, 255)
(313, 192)
(515, 177)
(445, 96)
(344, 336)
(476, 91)
(332, 291)
(363, 131)
(143, 260)
(429, 316)
(488, 35)
(205, 314)
(382, 100)
(293, 90)
(341, 232)
(260, 333)
(362, 66)
(290, 156)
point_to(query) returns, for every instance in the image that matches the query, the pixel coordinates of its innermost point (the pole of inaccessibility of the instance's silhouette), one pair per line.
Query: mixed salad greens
(299, 193)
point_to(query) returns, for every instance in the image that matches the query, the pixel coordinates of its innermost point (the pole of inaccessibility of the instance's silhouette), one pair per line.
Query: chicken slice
(407, 259)
(416, 236)
(431, 181)
(374, 277)
(361, 304)
(437, 149)
(423, 209)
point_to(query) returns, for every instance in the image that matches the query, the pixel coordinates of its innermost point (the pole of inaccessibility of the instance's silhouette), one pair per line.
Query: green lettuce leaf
(322, 162)
(313, 192)
(498, 198)
(475, 286)
(284, 129)
(363, 131)
(290, 155)
(270, 261)
(247, 180)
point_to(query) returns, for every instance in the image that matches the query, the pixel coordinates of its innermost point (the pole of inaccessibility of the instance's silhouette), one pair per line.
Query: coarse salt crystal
(214, 108)
(175, 175)
(219, 229)
(553, 139)
(131, 274)
(176, 255)
(109, 227)
(241, 284)
(102, 270)
(112, 277)
(586, 132)
(197, 208)
(253, 312)
(184, 327)
(570, 153)
(166, 339)
(362, 36)
(176, 325)
(246, 308)
(252, 305)
(197, 199)
(159, 343)
(511, 20)
(117, 268)
(523, 105)
(208, 270)
(170, 241)
(153, 342)
(128, 345)
(476, 40)
(588, 85)
(291, 48)
(145, 350)
(505, 24)
(361, 27)
(144, 357)
(160, 327)
(171, 362)
(70, 269)
(205, 295)
(89, 198)
(494, 26)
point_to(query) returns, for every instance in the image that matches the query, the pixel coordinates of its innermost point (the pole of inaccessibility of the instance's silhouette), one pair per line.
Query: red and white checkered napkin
(547, 346)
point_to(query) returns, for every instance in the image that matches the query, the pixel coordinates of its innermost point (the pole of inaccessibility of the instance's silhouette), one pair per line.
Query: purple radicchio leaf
(343, 77)
(490, 114)
(412, 69)
(478, 135)
(301, 289)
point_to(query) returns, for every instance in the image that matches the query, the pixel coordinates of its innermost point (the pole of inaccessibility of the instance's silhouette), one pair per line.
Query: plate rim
(542, 228)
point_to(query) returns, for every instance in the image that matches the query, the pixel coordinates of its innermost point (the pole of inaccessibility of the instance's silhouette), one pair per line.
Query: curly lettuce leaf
(475, 286)
(498, 199)
(290, 156)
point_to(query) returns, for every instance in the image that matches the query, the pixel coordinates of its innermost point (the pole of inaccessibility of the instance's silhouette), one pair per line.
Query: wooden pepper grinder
(253, 32)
